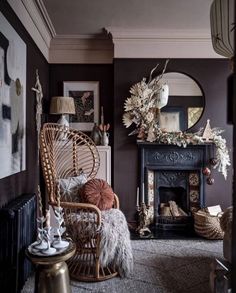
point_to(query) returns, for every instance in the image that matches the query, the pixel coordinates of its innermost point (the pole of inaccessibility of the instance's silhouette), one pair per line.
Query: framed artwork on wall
(12, 100)
(86, 98)
(170, 121)
(173, 119)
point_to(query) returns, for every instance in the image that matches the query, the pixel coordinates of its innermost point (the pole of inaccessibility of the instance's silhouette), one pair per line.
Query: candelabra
(47, 237)
(46, 244)
(40, 244)
(59, 215)
(144, 220)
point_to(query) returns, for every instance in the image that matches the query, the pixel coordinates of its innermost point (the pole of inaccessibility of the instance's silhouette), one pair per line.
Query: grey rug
(168, 266)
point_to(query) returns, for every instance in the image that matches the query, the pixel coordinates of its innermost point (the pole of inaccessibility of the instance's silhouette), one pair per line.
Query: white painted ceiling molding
(80, 49)
(149, 43)
(60, 48)
(35, 19)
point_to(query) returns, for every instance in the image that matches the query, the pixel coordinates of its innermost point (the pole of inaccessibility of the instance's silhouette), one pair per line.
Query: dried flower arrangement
(140, 109)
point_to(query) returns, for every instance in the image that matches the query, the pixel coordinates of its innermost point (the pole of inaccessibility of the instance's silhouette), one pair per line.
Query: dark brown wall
(25, 182)
(211, 74)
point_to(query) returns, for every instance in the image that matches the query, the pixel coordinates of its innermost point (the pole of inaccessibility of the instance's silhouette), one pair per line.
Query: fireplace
(173, 182)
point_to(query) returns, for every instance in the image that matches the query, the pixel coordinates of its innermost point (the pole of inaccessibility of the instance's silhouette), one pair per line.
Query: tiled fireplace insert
(172, 173)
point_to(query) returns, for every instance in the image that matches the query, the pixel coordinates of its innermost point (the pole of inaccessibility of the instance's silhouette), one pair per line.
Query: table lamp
(62, 105)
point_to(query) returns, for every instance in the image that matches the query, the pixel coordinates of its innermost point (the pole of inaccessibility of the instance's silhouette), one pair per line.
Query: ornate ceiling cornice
(153, 43)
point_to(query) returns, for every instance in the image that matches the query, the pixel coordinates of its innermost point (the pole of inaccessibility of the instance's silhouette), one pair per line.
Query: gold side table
(51, 274)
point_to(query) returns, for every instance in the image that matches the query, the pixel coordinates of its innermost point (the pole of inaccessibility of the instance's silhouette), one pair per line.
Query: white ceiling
(89, 17)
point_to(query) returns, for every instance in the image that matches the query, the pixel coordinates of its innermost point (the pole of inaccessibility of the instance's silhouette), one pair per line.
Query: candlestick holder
(47, 238)
(40, 243)
(144, 220)
(59, 215)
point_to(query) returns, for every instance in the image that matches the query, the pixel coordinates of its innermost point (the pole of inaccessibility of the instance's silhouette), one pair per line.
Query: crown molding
(81, 49)
(35, 19)
(47, 20)
(60, 48)
(127, 43)
(150, 43)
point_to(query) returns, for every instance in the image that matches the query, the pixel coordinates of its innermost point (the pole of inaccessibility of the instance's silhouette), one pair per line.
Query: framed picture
(86, 97)
(12, 100)
(170, 121)
(173, 119)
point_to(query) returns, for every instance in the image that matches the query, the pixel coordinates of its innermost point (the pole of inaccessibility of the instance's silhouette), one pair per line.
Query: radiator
(17, 231)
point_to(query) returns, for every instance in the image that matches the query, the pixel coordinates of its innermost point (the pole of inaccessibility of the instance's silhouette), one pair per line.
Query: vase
(104, 138)
(95, 134)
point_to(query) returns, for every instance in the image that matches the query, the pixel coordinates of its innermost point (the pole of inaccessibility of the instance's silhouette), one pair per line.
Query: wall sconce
(222, 27)
(62, 106)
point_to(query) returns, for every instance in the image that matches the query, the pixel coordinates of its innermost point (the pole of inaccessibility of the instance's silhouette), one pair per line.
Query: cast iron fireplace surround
(177, 176)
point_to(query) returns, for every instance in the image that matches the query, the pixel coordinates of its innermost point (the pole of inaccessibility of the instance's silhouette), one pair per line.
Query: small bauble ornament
(210, 180)
(213, 161)
(206, 171)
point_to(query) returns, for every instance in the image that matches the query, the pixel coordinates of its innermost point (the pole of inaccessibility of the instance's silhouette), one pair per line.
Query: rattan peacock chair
(64, 153)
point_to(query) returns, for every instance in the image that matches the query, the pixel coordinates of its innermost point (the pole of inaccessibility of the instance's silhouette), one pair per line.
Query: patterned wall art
(86, 97)
(12, 100)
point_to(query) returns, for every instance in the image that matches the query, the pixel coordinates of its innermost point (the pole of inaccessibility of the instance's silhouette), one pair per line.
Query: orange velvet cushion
(99, 193)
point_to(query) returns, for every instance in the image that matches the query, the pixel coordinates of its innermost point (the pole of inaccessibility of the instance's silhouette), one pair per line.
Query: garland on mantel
(182, 139)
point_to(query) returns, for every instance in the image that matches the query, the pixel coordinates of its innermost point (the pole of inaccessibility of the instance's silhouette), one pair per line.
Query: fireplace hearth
(174, 186)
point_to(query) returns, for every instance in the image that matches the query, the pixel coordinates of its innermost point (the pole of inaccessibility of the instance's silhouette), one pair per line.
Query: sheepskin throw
(115, 242)
(99, 193)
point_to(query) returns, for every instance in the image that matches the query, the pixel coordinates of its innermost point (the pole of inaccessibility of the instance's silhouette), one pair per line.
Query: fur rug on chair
(115, 242)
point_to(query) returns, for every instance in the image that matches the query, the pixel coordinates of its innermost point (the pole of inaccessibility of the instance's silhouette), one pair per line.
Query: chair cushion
(99, 193)
(69, 187)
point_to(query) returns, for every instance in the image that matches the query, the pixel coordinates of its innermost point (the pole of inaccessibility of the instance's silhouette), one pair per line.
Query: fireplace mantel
(172, 165)
(162, 156)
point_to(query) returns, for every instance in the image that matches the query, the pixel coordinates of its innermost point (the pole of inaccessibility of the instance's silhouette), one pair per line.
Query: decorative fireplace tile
(151, 195)
(194, 191)
(194, 196)
(193, 179)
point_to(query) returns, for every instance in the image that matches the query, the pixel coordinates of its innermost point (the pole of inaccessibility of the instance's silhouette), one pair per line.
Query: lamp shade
(62, 105)
(222, 27)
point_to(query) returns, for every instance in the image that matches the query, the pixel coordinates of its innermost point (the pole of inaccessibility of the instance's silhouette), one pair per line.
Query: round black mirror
(185, 103)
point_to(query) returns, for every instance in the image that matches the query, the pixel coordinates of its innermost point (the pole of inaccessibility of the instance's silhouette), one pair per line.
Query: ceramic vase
(104, 138)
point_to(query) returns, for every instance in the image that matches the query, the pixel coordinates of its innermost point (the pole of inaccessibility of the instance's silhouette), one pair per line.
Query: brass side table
(51, 274)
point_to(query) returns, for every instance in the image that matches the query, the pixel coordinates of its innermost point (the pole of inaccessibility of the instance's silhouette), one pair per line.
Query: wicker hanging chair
(64, 152)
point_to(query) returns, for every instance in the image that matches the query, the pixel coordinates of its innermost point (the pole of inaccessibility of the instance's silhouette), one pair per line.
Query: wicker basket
(207, 226)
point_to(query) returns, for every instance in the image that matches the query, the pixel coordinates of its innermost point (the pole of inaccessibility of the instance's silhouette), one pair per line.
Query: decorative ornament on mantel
(207, 133)
(143, 106)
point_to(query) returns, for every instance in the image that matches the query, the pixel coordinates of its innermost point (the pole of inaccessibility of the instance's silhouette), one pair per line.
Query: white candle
(143, 194)
(58, 195)
(40, 202)
(102, 116)
(137, 204)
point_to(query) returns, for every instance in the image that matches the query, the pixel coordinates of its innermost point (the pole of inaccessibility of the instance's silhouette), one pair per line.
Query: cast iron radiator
(17, 231)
